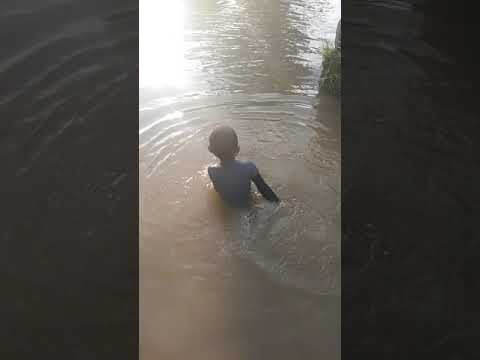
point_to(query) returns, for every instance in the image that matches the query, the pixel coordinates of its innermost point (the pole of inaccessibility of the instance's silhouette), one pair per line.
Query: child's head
(224, 143)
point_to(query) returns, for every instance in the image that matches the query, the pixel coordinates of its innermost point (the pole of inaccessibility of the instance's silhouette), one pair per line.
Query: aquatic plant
(330, 79)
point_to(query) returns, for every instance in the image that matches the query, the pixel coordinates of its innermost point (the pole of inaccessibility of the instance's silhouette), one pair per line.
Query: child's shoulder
(249, 163)
(239, 164)
(250, 166)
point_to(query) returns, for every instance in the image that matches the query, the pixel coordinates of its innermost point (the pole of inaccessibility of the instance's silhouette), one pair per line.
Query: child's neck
(226, 161)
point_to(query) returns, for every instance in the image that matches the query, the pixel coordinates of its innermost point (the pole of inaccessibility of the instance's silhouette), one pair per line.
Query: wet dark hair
(223, 143)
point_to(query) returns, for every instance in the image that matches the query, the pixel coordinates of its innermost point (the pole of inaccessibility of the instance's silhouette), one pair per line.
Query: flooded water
(264, 282)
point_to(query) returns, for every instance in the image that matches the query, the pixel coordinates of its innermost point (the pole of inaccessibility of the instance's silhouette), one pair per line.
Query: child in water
(231, 178)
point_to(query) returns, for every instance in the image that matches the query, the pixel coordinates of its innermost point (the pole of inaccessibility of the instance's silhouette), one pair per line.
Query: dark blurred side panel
(68, 149)
(410, 170)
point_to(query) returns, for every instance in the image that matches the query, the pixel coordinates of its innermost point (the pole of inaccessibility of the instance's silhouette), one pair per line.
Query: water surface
(262, 283)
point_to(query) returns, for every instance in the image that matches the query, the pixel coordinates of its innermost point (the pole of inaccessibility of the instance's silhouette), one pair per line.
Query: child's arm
(264, 189)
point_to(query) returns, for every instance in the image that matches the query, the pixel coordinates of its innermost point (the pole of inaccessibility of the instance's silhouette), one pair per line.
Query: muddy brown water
(221, 284)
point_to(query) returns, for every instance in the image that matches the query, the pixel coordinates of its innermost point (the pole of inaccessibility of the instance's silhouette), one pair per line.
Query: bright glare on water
(161, 44)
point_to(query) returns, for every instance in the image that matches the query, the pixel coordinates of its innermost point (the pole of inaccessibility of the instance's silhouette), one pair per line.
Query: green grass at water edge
(330, 80)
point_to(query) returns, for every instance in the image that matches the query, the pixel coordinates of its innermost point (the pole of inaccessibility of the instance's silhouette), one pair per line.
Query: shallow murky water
(225, 284)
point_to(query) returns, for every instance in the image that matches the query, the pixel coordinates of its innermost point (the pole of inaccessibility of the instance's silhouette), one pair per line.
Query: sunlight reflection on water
(162, 46)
